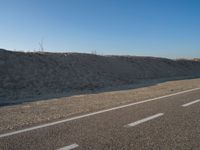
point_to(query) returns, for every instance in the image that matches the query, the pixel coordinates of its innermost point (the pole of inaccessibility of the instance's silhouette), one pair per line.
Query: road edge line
(93, 113)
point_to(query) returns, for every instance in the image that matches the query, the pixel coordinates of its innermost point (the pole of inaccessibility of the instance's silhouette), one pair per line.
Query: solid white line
(94, 113)
(190, 103)
(69, 147)
(144, 120)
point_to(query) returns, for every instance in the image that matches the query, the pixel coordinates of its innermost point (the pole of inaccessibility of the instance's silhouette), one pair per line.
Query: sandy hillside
(27, 75)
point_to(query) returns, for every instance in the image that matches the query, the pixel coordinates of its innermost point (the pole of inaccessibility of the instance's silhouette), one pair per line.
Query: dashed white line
(144, 120)
(69, 147)
(191, 103)
(92, 114)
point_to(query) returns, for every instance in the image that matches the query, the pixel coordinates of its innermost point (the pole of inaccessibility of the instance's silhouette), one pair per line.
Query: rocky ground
(40, 75)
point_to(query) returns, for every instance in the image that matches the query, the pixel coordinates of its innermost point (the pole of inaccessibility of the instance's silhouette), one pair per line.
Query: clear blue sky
(167, 28)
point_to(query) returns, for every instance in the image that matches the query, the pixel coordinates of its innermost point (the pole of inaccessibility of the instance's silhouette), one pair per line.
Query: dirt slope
(26, 75)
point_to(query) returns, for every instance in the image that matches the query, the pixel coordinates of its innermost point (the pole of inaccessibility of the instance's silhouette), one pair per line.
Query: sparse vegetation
(41, 45)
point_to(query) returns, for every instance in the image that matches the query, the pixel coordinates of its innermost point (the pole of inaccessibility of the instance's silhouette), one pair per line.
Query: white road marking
(190, 103)
(69, 147)
(143, 120)
(92, 114)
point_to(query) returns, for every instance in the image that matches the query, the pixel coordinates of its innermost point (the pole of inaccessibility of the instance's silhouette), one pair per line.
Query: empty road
(167, 122)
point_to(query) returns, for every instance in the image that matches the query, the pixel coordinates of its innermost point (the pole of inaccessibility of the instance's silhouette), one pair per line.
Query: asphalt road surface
(167, 123)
